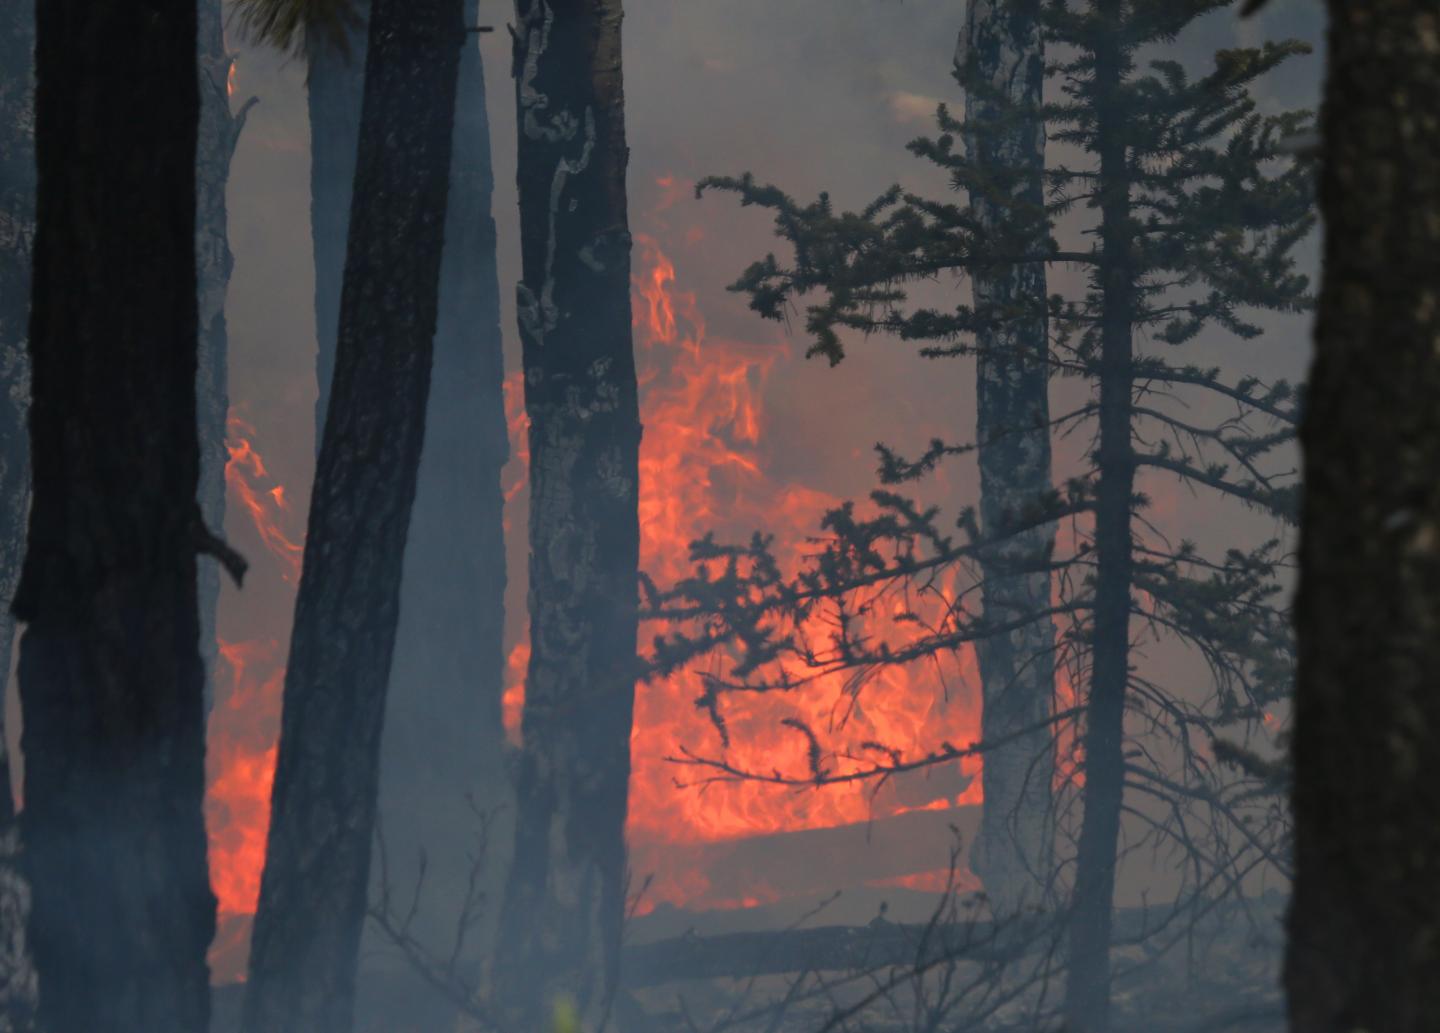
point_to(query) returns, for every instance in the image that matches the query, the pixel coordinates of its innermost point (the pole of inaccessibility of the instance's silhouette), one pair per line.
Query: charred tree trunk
(442, 747)
(110, 675)
(313, 891)
(17, 231)
(1087, 993)
(1365, 920)
(443, 750)
(219, 131)
(1002, 57)
(562, 914)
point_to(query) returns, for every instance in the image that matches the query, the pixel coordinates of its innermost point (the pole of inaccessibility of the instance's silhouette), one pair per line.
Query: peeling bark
(1001, 48)
(1087, 988)
(1364, 924)
(17, 231)
(312, 905)
(562, 914)
(111, 679)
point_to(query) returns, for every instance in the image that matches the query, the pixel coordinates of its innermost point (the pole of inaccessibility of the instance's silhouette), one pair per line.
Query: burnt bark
(565, 898)
(313, 892)
(111, 679)
(1002, 56)
(1087, 989)
(442, 747)
(17, 232)
(1365, 921)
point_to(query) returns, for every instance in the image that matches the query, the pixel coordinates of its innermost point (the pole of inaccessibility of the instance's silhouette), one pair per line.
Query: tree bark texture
(218, 133)
(442, 748)
(1364, 947)
(111, 679)
(313, 891)
(1001, 47)
(17, 232)
(562, 914)
(1087, 992)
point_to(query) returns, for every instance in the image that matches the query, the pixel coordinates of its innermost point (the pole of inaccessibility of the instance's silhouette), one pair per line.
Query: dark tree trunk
(443, 742)
(17, 231)
(110, 674)
(443, 746)
(1365, 918)
(313, 892)
(218, 134)
(1001, 48)
(1087, 996)
(562, 914)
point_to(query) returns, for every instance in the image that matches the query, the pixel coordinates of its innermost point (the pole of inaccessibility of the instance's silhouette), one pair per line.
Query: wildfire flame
(703, 467)
(245, 721)
(265, 506)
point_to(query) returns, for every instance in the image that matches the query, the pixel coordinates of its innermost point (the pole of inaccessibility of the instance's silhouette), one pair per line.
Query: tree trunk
(313, 891)
(442, 747)
(17, 231)
(110, 675)
(1002, 56)
(565, 900)
(1365, 920)
(1087, 993)
(219, 131)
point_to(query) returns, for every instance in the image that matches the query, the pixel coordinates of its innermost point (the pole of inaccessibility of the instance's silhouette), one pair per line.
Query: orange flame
(265, 506)
(245, 721)
(703, 467)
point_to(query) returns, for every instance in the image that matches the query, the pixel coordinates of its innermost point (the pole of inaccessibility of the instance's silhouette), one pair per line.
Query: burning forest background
(741, 434)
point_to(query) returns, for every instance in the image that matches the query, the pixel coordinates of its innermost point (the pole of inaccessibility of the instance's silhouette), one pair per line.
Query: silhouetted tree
(1195, 216)
(1364, 921)
(111, 679)
(443, 750)
(443, 743)
(313, 891)
(17, 231)
(561, 918)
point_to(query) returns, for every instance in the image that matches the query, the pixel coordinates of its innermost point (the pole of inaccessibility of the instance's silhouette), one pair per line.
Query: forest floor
(1217, 975)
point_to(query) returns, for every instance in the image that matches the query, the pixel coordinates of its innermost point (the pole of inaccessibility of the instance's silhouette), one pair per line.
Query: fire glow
(704, 467)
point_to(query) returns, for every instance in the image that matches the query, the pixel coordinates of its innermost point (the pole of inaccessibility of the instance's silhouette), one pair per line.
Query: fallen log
(876, 946)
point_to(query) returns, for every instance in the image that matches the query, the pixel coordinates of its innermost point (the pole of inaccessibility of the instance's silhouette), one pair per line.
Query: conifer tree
(1192, 212)
(313, 892)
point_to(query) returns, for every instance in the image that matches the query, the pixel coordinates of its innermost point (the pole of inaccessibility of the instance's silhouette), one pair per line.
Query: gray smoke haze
(809, 94)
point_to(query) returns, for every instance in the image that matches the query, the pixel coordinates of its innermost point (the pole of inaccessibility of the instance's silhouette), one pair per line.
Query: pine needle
(285, 24)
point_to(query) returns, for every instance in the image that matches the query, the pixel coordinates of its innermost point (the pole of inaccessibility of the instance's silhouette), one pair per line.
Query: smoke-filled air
(719, 516)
